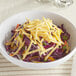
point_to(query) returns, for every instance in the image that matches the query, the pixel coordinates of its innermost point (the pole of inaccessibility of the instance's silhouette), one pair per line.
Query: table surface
(11, 7)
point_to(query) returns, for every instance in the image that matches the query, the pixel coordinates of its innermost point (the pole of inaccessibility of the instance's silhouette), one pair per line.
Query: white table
(11, 7)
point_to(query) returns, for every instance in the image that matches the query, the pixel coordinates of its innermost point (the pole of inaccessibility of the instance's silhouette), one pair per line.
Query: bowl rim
(56, 61)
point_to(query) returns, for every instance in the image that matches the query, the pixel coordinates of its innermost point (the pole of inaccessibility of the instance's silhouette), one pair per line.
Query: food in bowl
(38, 41)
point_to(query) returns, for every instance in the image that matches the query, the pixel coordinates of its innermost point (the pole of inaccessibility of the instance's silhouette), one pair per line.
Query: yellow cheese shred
(26, 51)
(34, 51)
(13, 36)
(15, 53)
(46, 50)
(51, 52)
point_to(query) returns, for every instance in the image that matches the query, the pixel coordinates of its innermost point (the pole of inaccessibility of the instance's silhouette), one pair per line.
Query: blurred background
(11, 7)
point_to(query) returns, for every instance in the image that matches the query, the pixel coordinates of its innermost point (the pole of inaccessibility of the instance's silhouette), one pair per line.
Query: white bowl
(8, 24)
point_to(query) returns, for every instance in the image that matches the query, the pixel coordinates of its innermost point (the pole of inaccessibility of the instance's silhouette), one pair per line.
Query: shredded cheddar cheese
(25, 54)
(18, 49)
(51, 52)
(38, 28)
